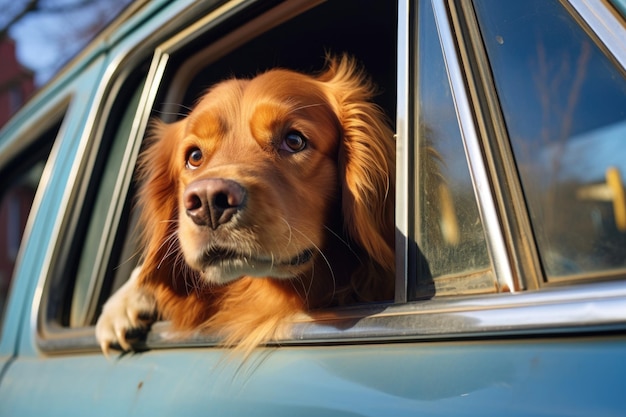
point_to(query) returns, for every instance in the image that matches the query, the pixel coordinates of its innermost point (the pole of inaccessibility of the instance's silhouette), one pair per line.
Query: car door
(498, 309)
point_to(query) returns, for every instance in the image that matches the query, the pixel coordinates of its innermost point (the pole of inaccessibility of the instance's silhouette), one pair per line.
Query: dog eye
(293, 142)
(194, 158)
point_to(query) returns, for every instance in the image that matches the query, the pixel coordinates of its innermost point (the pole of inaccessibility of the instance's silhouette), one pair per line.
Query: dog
(272, 198)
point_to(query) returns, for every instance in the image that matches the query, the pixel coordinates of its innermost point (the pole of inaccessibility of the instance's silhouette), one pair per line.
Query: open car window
(451, 257)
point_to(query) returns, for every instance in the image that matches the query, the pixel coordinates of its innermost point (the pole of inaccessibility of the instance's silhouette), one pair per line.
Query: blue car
(510, 291)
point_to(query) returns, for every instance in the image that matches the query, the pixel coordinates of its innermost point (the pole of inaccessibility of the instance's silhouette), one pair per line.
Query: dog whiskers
(330, 268)
(300, 280)
(290, 231)
(172, 248)
(171, 235)
(181, 106)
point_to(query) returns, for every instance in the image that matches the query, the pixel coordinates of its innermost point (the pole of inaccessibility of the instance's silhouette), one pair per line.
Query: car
(510, 292)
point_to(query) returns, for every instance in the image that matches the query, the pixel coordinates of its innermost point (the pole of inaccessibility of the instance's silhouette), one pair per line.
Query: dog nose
(213, 201)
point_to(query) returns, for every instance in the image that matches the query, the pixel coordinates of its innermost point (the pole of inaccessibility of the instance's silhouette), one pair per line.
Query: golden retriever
(273, 197)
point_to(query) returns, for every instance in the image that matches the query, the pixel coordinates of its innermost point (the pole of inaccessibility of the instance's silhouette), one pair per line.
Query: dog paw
(126, 316)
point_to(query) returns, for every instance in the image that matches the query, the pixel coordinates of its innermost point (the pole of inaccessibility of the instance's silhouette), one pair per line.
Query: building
(16, 86)
(17, 83)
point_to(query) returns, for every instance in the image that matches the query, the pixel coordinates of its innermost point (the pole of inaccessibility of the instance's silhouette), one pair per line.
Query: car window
(20, 178)
(564, 104)
(103, 249)
(453, 254)
(449, 233)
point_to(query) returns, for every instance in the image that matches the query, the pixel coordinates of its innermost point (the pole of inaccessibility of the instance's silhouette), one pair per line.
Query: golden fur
(335, 198)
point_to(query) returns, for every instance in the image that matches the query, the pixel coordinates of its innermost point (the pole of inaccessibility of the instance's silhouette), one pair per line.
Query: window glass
(98, 252)
(20, 179)
(449, 233)
(564, 103)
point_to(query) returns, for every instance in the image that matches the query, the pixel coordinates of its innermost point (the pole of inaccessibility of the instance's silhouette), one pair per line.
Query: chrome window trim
(609, 28)
(506, 185)
(124, 177)
(403, 146)
(37, 319)
(570, 311)
(480, 179)
(567, 310)
(87, 159)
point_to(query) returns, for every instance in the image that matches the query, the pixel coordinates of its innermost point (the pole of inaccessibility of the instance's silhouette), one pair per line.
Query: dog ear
(366, 159)
(158, 199)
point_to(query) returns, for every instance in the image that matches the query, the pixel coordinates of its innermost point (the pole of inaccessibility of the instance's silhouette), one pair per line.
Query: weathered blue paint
(568, 377)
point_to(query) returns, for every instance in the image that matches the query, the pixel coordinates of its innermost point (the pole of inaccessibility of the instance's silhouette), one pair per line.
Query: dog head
(279, 176)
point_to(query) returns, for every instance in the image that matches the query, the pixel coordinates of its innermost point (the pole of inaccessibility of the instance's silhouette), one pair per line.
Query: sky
(46, 40)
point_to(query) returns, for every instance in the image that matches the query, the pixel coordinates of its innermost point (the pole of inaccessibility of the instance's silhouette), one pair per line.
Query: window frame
(50, 335)
(53, 115)
(515, 311)
(604, 23)
(603, 27)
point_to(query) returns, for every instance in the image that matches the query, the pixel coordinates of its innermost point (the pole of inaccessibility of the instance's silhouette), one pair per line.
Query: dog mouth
(222, 256)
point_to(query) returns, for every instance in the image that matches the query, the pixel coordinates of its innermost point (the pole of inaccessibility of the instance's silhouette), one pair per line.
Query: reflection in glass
(564, 103)
(449, 232)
